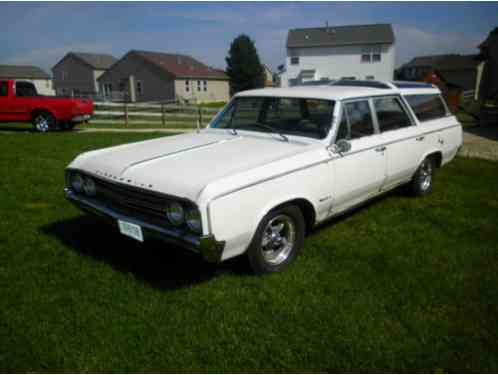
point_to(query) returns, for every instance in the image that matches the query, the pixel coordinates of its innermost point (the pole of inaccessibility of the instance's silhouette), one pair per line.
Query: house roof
(340, 35)
(22, 71)
(444, 62)
(465, 79)
(97, 61)
(180, 66)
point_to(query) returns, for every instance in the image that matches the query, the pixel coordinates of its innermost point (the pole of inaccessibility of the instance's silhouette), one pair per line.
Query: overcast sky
(42, 33)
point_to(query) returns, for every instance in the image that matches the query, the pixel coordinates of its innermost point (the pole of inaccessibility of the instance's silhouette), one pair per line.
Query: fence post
(126, 114)
(163, 118)
(199, 118)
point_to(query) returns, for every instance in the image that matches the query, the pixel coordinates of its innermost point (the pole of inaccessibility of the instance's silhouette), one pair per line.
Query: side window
(358, 121)
(427, 107)
(391, 114)
(25, 89)
(4, 89)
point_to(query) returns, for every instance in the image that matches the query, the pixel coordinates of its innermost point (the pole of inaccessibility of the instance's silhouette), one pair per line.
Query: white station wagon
(270, 166)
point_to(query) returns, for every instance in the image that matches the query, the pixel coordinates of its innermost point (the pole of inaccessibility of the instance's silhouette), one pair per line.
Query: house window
(187, 85)
(295, 60)
(48, 84)
(369, 77)
(365, 57)
(122, 84)
(64, 75)
(370, 55)
(198, 85)
(205, 85)
(139, 87)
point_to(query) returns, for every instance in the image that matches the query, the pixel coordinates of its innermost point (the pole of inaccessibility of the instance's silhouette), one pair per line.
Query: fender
(431, 151)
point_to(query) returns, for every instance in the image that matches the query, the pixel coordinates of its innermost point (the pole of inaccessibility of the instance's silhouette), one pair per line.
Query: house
(269, 77)
(453, 74)
(339, 52)
(487, 71)
(143, 76)
(33, 74)
(76, 73)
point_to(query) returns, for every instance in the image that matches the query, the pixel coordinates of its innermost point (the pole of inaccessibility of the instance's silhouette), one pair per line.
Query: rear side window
(356, 121)
(3, 89)
(427, 107)
(25, 89)
(391, 114)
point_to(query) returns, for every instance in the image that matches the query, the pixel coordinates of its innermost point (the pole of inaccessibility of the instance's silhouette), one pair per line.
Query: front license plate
(131, 230)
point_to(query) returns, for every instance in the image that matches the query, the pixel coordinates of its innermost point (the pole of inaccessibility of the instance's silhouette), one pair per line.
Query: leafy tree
(243, 65)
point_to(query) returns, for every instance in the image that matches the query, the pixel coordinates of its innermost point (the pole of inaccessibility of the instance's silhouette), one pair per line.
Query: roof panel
(341, 35)
(22, 72)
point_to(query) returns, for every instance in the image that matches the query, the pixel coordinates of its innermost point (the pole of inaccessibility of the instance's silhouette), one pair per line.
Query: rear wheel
(43, 122)
(278, 240)
(421, 183)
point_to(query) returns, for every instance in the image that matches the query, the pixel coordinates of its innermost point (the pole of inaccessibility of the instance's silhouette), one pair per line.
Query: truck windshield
(294, 116)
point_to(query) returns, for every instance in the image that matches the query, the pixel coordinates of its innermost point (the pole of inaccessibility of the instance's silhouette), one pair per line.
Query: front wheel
(278, 240)
(43, 122)
(421, 183)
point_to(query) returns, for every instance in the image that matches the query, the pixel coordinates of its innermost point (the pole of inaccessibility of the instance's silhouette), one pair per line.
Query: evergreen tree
(243, 65)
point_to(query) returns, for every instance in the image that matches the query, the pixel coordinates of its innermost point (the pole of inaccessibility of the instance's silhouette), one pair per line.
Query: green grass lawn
(402, 284)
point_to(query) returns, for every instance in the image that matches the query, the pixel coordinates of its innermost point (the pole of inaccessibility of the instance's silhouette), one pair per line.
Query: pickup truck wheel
(421, 183)
(43, 122)
(278, 239)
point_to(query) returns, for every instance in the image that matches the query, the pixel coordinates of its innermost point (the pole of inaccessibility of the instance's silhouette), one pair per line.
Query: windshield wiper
(270, 128)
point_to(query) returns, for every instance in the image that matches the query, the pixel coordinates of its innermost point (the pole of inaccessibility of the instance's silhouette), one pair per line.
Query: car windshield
(293, 116)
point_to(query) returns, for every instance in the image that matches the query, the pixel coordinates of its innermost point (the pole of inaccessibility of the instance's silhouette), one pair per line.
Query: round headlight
(175, 213)
(89, 187)
(193, 219)
(77, 182)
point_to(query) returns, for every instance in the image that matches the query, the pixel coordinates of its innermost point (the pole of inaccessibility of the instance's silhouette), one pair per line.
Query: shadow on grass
(161, 265)
(16, 129)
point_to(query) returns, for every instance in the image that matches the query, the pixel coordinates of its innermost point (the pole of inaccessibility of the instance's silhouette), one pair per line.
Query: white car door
(359, 172)
(403, 139)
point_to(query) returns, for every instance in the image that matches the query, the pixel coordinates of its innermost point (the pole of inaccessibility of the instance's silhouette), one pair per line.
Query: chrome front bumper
(207, 246)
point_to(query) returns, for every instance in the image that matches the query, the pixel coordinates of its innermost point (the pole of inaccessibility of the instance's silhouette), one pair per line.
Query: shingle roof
(99, 61)
(465, 79)
(22, 71)
(444, 62)
(341, 35)
(181, 66)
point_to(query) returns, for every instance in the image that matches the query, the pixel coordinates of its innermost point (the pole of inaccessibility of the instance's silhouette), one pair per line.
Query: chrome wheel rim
(426, 175)
(42, 124)
(278, 239)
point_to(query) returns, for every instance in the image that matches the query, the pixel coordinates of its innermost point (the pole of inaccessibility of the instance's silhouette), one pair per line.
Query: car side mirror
(341, 146)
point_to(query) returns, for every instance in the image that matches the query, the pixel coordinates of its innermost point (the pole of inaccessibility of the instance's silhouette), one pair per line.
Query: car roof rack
(412, 85)
(363, 83)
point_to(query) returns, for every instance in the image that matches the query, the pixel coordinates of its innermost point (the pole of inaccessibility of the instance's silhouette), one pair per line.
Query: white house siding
(216, 90)
(338, 62)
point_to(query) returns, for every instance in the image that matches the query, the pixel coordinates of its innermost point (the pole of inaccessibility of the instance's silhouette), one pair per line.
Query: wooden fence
(153, 115)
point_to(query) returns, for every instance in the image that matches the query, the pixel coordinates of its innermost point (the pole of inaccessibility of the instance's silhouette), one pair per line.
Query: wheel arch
(35, 111)
(307, 209)
(436, 155)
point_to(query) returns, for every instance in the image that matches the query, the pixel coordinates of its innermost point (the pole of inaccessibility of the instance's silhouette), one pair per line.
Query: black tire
(421, 183)
(290, 238)
(43, 122)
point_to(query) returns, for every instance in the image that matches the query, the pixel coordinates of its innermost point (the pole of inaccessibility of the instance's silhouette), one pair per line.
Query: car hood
(184, 165)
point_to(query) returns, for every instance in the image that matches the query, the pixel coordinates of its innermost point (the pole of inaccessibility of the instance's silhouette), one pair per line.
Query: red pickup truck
(20, 102)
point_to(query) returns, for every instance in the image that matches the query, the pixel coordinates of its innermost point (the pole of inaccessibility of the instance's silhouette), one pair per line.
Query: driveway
(480, 142)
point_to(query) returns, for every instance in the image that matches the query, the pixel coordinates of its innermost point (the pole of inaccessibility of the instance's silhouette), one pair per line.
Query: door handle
(380, 149)
(421, 138)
